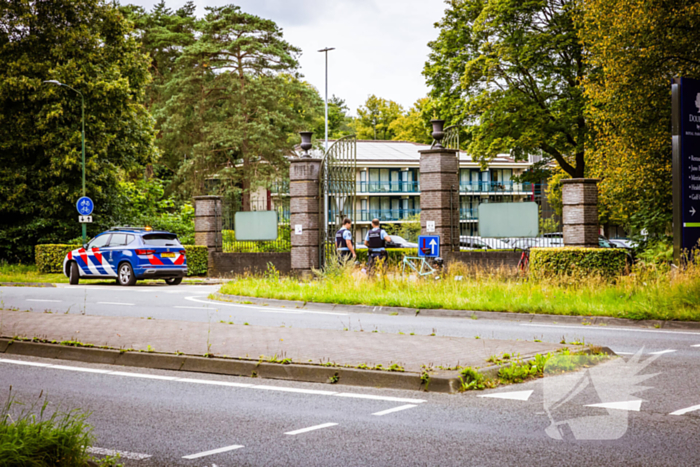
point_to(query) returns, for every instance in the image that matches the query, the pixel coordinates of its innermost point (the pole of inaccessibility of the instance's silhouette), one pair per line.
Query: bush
(395, 255)
(571, 261)
(197, 260)
(49, 258)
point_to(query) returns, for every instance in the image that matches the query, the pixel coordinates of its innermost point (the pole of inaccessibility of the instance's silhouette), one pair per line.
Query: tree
(338, 119)
(236, 102)
(88, 45)
(163, 34)
(511, 72)
(414, 125)
(634, 48)
(375, 118)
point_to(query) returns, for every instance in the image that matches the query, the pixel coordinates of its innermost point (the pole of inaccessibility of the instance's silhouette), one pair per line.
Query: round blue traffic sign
(85, 206)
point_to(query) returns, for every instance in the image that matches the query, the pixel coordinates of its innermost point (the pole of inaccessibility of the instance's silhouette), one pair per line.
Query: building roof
(377, 152)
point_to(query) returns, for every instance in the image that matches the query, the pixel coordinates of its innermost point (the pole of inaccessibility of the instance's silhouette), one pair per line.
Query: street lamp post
(326, 50)
(325, 150)
(82, 99)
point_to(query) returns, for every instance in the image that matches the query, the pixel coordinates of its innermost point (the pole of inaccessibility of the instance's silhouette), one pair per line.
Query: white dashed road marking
(311, 428)
(686, 410)
(213, 451)
(515, 395)
(633, 406)
(661, 352)
(39, 300)
(395, 409)
(380, 398)
(115, 303)
(112, 452)
(696, 345)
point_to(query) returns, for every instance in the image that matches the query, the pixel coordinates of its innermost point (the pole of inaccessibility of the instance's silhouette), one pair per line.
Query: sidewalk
(241, 341)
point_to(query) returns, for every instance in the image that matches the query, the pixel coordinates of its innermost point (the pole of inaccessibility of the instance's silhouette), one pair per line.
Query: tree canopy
(375, 118)
(635, 48)
(510, 73)
(88, 45)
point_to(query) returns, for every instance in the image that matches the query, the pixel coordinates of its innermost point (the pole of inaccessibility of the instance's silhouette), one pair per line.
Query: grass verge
(646, 293)
(39, 439)
(28, 273)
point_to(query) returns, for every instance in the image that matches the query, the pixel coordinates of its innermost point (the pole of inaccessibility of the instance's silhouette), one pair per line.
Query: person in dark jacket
(376, 240)
(343, 242)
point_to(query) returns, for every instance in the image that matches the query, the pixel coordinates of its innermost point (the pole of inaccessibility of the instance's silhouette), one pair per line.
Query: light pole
(326, 50)
(82, 99)
(325, 150)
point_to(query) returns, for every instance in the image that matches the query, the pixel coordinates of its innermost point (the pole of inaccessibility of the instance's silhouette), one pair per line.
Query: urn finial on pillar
(306, 143)
(438, 132)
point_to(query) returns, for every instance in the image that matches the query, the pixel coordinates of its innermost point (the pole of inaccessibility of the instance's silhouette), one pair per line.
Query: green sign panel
(507, 220)
(256, 225)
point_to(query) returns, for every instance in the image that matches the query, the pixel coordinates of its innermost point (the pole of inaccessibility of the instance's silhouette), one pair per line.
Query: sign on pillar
(685, 95)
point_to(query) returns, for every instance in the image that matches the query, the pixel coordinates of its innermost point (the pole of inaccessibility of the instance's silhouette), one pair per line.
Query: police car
(128, 254)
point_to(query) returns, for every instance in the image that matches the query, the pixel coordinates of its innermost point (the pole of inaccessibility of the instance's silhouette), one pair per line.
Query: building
(388, 184)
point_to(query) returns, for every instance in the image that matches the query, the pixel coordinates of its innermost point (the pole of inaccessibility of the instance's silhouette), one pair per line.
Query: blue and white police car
(128, 254)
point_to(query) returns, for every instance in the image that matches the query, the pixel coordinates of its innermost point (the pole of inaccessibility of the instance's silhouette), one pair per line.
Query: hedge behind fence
(49, 258)
(608, 262)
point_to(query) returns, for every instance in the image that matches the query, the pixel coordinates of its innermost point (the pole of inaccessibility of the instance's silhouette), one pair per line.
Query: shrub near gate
(572, 261)
(49, 258)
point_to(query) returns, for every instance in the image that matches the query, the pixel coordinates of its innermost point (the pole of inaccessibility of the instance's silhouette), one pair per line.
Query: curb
(440, 382)
(445, 313)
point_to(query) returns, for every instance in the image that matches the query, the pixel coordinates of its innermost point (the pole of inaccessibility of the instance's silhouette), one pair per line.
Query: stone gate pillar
(580, 212)
(304, 180)
(439, 187)
(207, 225)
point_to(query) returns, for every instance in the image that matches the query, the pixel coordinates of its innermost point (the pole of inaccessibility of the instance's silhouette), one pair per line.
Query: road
(181, 415)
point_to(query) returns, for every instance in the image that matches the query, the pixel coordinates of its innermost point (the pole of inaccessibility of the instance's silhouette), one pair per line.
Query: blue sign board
(85, 206)
(686, 164)
(429, 246)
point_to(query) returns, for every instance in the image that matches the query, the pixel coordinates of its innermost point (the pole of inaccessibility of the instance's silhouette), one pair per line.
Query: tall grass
(27, 273)
(648, 292)
(37, 440)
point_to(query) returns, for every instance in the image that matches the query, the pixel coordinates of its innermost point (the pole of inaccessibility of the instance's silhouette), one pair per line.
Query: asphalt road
(169, 419)
(180, 420)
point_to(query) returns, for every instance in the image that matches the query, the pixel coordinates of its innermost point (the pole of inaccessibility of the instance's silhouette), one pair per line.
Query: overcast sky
(381, 45)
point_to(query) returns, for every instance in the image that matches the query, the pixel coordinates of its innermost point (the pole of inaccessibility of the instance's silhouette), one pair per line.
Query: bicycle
(524, 263)
(420, 265)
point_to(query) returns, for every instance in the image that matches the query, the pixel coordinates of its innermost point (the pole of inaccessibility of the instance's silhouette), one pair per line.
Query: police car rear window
(161, 240)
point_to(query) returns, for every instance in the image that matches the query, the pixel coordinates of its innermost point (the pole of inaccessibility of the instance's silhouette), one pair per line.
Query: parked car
(128, 254)
(400, 242)
(623, 243)
(480, 243)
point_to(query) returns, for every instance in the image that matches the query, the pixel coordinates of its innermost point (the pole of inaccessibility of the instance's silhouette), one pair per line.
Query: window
(118, 239)
(161, 240)
(99, 242)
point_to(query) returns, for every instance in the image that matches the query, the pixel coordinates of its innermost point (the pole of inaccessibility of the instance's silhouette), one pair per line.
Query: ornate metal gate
(337, 194)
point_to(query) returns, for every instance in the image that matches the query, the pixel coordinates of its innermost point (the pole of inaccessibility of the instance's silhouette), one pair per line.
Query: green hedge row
(49, 258)
(395, 255)
(570, 261)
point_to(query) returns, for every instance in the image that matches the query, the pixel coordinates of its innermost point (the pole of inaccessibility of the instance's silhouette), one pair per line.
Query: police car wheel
(126, 276)
(173, 280)
(73, 273)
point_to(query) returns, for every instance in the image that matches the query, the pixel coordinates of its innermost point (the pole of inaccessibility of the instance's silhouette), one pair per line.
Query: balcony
(495, 187)
(280, 188)
(387, 215)
(469, 214)
(388, 187)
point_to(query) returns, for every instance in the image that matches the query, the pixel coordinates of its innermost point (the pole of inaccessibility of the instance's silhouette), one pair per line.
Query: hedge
(395, 255)
(570, 261)
(49, 258)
